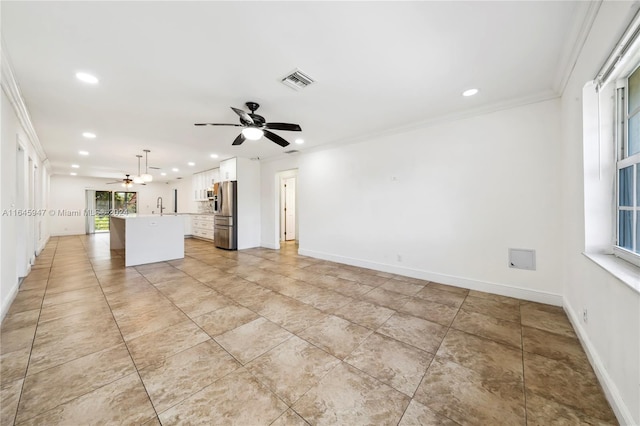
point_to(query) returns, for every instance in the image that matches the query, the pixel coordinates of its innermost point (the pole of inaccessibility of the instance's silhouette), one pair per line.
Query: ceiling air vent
(292, 151)
(297, 80)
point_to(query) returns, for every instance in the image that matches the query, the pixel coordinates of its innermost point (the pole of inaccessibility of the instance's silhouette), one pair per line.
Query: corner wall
(68, 195)
(444, 202)
(611, 336)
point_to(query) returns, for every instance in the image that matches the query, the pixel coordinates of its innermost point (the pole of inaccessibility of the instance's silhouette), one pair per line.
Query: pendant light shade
(138, 178)
(146, 176)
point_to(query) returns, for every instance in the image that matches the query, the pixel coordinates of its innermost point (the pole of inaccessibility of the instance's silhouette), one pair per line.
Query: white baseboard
(610, 389)
(66, 234)
(488, 287)
(270, 246)
(6, 303)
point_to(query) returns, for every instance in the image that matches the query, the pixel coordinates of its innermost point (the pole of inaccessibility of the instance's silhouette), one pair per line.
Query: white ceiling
(166, 65)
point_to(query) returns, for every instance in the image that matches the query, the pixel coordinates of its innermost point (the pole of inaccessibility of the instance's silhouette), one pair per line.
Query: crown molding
(11, 88)
(575, 42)
(544, 96)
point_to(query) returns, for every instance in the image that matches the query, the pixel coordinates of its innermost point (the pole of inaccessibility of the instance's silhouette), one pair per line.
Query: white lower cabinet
(202, 226)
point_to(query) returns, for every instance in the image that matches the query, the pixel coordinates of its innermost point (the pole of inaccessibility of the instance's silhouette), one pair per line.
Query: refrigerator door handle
(219, 206)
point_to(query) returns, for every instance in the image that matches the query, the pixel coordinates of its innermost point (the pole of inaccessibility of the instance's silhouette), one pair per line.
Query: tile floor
(260, 337)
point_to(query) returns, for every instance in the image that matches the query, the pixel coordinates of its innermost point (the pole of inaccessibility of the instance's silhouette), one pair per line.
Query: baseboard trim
(485, 286)
(270, 246)
(6, 303)
(67, 234)
(620, 409)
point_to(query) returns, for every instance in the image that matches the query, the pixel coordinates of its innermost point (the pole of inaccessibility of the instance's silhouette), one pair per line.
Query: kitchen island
(147, 238)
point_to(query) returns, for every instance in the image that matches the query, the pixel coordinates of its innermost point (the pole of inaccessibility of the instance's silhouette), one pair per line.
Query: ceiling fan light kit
(255, 126)
(252, 133)
(126, 182)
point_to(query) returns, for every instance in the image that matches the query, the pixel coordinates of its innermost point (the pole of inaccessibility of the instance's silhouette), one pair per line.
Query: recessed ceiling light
(163, 174)
(299, 141)
(89, 135)
(470, 92)
(214, 155)
(191, 163)
(87, 78)
(73, 174)
(175, 169)
(75, 166)
(83, 152)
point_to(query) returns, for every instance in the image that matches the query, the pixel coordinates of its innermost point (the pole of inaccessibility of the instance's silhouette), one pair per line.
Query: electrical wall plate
(522, 259)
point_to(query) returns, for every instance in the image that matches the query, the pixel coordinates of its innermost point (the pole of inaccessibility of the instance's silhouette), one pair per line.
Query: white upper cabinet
(228, 170)
(215, 175)
(203, 182)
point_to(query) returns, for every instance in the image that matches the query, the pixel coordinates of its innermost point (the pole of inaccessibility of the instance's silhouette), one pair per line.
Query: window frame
(135, 195)
(622, 116)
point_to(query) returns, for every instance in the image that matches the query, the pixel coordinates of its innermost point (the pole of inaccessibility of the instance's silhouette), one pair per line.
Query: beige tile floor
(261, 337)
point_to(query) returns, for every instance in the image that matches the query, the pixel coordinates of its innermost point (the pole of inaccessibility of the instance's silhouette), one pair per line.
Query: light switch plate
(522, 259)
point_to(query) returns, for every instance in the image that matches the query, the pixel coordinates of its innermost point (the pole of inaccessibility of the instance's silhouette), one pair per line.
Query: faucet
(159, 204)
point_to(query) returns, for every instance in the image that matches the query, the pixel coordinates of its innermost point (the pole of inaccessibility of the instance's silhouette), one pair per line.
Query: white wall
(612, 334)
(22, 237)
(248, 175)
(443, 202)
(186, 204)
(68, 194)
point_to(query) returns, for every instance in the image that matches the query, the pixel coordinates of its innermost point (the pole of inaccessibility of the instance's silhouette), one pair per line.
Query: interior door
(290, 209)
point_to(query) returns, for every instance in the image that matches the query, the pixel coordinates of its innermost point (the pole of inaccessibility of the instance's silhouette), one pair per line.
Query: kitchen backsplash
(205, 206)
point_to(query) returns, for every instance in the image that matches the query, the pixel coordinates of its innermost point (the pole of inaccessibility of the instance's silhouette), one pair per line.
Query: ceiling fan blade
(283, 126)
(239, 139)
(217, 124)
(244, 117)
(275, 138)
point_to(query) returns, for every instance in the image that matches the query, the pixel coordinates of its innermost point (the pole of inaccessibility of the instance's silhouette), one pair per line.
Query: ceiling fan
(255, 126)
(127, 182)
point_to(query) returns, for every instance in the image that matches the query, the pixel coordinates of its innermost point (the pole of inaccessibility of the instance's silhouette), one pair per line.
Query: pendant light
(138, 178)
(146, 176)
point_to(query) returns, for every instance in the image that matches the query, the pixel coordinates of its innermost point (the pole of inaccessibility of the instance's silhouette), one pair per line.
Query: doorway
(98, 210)
(288, 206)
(22, 225)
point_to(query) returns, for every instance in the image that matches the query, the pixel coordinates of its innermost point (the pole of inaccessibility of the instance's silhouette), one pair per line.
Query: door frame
(284, 206)
(279, 177)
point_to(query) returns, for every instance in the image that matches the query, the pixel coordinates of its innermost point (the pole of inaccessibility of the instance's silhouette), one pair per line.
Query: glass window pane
(634, 91)
(625, 186)
(638, 184)
(625, 229)
(638, 232)
(633, 135)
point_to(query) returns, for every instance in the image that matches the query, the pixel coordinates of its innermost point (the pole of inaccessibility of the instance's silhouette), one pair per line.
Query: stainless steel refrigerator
(225, 220)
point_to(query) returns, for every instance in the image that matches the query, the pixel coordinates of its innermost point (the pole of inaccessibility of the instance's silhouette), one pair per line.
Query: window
(125, 201)
(628, 169)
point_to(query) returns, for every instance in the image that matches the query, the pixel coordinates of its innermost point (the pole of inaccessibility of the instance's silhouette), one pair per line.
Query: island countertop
(147, 238)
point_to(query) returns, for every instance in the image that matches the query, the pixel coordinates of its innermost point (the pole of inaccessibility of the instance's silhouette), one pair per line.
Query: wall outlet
(584, 315)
